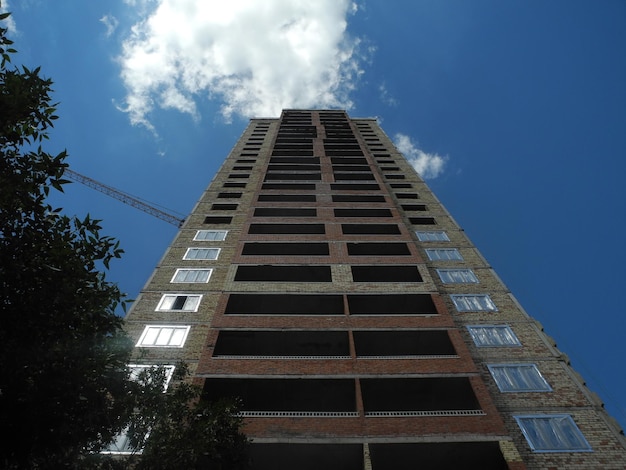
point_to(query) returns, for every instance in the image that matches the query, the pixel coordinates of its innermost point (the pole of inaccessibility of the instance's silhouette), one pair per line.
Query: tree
(66, 391)
(63, 351)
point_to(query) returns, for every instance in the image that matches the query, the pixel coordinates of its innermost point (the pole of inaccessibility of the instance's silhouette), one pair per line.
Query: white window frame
(493, 336)
(136, 369)
(209, 251)
(214, 235)
(191, 304)
(163, 336)
(432, 236)
(193, 274)
(457, 276)
(473, 303)
(549, 433)
(434, 254)
(518, 378)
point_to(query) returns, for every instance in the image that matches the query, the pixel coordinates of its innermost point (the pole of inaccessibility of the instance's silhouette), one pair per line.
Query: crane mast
(125, 198)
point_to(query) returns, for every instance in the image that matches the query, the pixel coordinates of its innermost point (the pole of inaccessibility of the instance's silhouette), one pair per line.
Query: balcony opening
(288, 229)
(284, 212)
(354, 187)
(279, 456)
(223, 207)
(353, 176)
(229, 195)
(378, 249)
(370, 229)
(414, 207)
(289, 186)
(234, 185)
(403, 343)
(287, 198)
(285, 249)
(363, 213)
(391, 304)
(286, 395)
(437, 455)
(407, 196)
(348, 161)
(284, 304)
(417, 394)
(283, 343)
(293, 176)
(357, 198)
(377, 273)
(283, 273)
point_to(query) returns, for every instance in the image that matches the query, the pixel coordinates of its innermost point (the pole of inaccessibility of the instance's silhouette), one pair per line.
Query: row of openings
(381, 456)
(315, 273)
(378, 395)
(325, 343)
(305, 213)
(330, 304)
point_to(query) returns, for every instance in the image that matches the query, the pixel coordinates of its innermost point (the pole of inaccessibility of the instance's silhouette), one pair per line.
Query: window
(474, 303)
(229, 195)
(211, 235)
(284, 212)
(552, 433)
(282, 273)
(291, 229)
(377, 273)
(493, 335)
(432, 236)
(192, 275)
(137, 369)
(443, 254)
(179, 302)
(218, 220)
(370, 229)
(422, 220)
(163, 336)
(378, 249)
(285, 249)
(223, 207)
(457, 276)
(362, 213)
(518, 378)
(202, 253)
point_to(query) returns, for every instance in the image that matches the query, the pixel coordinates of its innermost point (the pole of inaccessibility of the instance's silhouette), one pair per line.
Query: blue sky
(516, 111)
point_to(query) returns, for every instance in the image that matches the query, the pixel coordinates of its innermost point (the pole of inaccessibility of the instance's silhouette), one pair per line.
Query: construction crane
(125, 198)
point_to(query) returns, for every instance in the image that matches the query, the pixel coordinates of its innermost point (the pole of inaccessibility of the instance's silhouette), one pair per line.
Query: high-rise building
(322, 282)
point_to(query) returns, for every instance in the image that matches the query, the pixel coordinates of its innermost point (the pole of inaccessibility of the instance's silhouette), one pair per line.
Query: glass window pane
(518, 378)
(493, 335)
(552, 433)
(191, 275)
(432, 236)
(474, 303)
(211, 235)
(202, 253)
(457, 276)
(444, 254)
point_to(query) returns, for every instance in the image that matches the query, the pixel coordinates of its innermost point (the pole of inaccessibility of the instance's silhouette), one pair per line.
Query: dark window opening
(223, 207)
(423, 394)
(436, 455)
(292, 152)
(354, 187)
(217, 220)
(414, 207)
(293, 176)
(337, 168)
(287, 198)
(391, 304)
(353, 176)
(285, 249)
(407, 195)
(395, 177)
(378, 249)
(357, 198)
(288, 186)
(282, 273)
(389, 168)
(306, 456)
(297, 160)
(362, 213)
(229, 195)
(401, 186)
(284, 212)
(348, 161)
(234, 185)
(294, 229)
(377, 273)
(238, 175)
(285, 394)
(245, 160)
(292, 167)
(284, 304)
(422, 220)
(370, 229)
(242, 167)
(282, 343)
(403, 343)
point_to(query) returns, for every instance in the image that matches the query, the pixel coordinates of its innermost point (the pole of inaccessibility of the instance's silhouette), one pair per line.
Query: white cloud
(386, 97)
(254, 57)
(110, 23)
(428, 165)
(8, 23)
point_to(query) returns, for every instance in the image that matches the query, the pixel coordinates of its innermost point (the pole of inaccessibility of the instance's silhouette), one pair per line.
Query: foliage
(65, 388)
(178, 429)
(63, 352)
